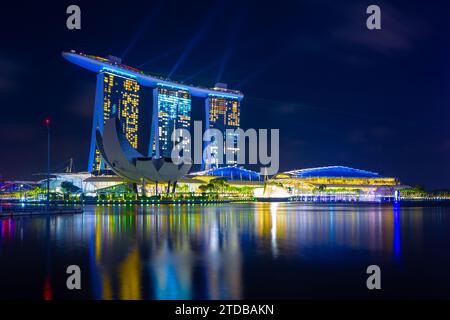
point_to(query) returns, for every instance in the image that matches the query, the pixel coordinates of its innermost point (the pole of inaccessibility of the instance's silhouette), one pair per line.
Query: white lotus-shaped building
(129, 164)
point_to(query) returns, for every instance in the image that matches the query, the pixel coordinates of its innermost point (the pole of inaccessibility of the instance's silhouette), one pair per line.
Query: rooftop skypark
(97, 64)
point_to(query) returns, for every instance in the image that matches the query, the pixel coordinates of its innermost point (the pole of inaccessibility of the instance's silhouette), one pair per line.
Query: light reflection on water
(227, 251)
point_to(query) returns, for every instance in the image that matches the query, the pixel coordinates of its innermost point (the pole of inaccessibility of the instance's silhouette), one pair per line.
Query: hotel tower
(118, 94)
(222, 112)
(171, 110)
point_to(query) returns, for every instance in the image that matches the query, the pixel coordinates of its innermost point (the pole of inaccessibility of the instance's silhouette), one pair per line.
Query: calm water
(229, 251)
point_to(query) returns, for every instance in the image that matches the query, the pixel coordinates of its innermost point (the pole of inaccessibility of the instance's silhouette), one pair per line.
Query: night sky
(339, 93)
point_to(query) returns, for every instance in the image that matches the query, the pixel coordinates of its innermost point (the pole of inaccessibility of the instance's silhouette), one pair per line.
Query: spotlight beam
(209, 66)
(142, 28)
(267, 64)
(235, 26)
(160, 56)
(196, 39)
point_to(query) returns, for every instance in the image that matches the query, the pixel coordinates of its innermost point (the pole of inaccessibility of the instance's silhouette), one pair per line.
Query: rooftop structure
(336, 176)
(333, 172)
(99, 64)
(232, 173)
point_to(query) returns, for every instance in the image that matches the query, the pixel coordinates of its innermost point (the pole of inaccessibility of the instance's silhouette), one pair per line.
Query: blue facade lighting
(333, 171)
(232, 173)
(118, 72)
(175, 87)
(170, 111)
(223, 95)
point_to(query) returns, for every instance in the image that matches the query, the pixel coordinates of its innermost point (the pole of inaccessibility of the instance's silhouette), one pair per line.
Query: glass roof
(333, 171)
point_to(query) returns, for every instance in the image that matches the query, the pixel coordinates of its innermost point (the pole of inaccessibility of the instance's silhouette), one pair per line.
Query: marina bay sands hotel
(118, 92)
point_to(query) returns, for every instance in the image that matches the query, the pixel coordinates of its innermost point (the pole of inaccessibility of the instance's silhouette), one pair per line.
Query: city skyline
(225, 157)
(339, 94)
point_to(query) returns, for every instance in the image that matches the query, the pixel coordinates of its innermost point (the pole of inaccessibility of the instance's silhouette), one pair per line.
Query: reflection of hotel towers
(119, 92)
(225, 256)
(174, 241)
(115, 95)
(120, 246)
(174, 258)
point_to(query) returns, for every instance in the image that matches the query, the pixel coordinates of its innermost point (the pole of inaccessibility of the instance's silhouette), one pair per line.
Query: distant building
(337, 183)
(338, 175)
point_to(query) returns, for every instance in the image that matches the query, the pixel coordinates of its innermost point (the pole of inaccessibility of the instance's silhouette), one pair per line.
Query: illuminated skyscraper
(116, 95)
(171, 110)
(222, 112)
(119, 93)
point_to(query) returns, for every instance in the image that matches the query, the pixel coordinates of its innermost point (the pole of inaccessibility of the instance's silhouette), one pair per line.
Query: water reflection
(188, 252)
(396, 242)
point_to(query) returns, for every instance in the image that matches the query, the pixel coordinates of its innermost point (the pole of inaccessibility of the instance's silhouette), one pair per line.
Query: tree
(203, 188)
(218, 184)
(34, 193)
(182, 188)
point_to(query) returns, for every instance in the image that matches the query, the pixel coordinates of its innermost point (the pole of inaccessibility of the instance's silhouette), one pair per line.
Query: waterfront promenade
(17, 209)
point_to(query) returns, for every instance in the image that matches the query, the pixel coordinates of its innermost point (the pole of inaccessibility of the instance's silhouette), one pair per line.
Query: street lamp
(47, 123)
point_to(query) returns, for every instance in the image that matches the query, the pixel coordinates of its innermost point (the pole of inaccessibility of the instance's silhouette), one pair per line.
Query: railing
(341, 198)
(19, 209)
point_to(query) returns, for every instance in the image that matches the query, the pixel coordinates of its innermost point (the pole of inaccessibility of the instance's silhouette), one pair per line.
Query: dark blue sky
(339, 93)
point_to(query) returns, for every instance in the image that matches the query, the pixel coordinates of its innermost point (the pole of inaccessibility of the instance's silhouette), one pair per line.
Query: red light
(47, 121)
(48, 293)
